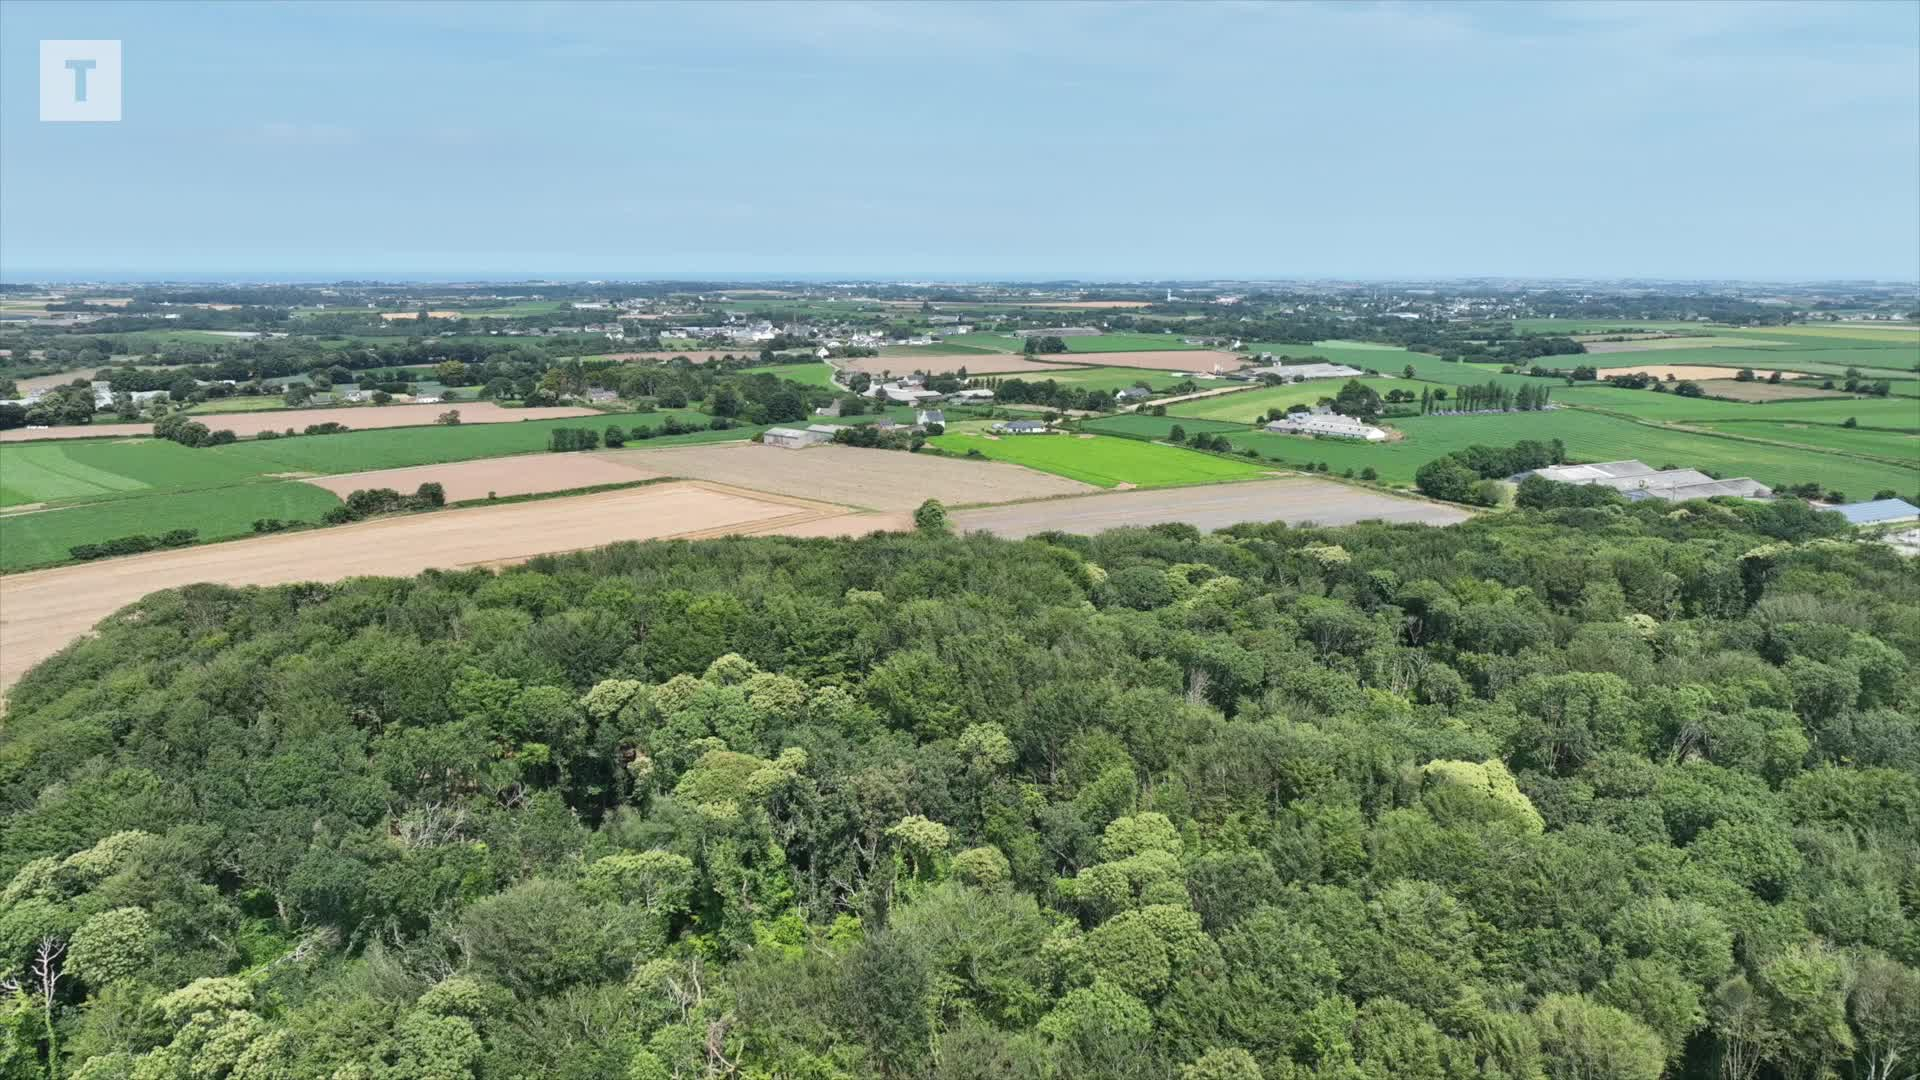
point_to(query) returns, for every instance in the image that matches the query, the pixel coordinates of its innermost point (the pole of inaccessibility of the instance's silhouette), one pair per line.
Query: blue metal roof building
(1877, 511)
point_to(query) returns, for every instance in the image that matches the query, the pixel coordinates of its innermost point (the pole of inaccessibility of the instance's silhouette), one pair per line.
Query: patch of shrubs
(274, 525)
(368, 502)
(331, 427)
(563, 439)
(134, 545)
(177, 428)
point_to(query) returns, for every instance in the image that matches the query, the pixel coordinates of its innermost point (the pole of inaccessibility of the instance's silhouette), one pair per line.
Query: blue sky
(1086, 139)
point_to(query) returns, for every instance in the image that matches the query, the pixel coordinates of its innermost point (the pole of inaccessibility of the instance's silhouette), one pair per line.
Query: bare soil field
(1761, 390)
(44, 611)
(1160, 359)
(873, 479)
(938, 364)
(1294, 500)
(522, 474)
(359, 418)
(399, 316)
(1678, 371)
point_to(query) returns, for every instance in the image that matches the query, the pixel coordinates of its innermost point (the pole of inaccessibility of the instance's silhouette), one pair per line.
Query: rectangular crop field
(67, 470)
(1895, 446)
(357, 417)
(1156, 427)
(819, 374)
(42, 537)
(1103, 462)
(1762, 390)
(1112, 378)
(1900, 413)
(1095, 343)
(1294, 499)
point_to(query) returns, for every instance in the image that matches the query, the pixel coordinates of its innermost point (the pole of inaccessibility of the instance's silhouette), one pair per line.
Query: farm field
(47, 610)
(1689, 341)
(1249, 405)
(938, 348)
(1902, 413)
(1898, 334)
(1588, 437)
(1813, 359)
(1099, 343)
(1295, 500)
(1157, 360)
(1903, 447)
(1111, 378)
(253, 403)
(42, 537)
(876, 479)
(357, 417)
(1005, 343)
(819, 374)
(1665, 371)
(1560, 327)
(523, 474)
(1155, 427)
(79, 470)
(1761, 390)
(1102, 462)
(944, 364)
(64, 470)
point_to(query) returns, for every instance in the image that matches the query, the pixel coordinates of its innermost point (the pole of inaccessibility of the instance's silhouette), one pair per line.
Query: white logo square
(79, 81)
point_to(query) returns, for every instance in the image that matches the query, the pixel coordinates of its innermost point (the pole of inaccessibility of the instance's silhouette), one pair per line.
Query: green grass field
(1899, 413)
(810, 374)
(1249, 405)
(43, 537)
(1156, 427)
(1588, 437)
(64, 470)
(1104, 378)
(1126, 343)
(1559, 327)
(1900, 447)
(253, 403)
(1103, 462)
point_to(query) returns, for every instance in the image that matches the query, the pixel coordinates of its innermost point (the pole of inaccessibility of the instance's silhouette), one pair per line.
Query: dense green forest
(1581, 794)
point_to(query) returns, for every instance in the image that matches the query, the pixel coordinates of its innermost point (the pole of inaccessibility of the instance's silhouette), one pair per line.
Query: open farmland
(1899, 447)
(945, 364)
(1100, 343)
(358, 417)
(1248, 406)
(66, 470)
(698, 356)
(1901, 413)
(816, 374)
(1670, 371)
(1294, 500)
(1202, 360)
(42, 612)
(1690, 341)
(876, 479)
(1762, 390)
(1143, 425)
(42, 537)
(1588, 437)
(524, 474)
(1101, 461)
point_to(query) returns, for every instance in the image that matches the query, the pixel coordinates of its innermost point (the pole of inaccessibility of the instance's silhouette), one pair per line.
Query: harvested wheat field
(937, 364)
(1294, 500)
(870, 479)
(1678, 371)
(359, 418)
(522, 474)
(44, 611)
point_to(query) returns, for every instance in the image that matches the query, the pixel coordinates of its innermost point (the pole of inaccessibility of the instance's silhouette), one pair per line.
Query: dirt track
(359, 418)
(41, 612)
(876, 479)
(1294, 500)
(522, 474)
